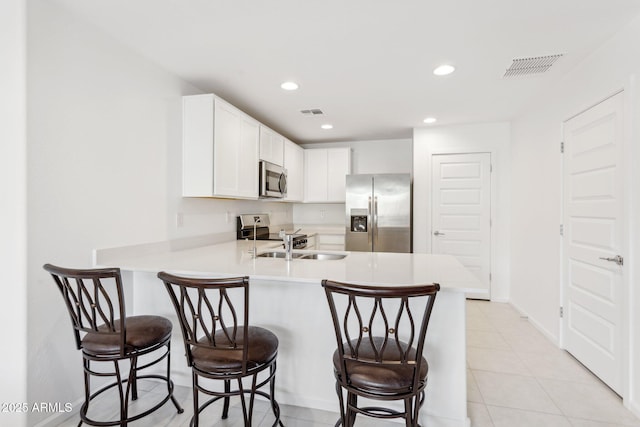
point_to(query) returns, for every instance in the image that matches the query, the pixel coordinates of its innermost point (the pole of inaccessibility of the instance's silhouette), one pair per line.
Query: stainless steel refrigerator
(378, 213)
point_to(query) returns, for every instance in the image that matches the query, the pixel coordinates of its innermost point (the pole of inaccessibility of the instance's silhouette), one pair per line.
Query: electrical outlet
(322, 214)
(179, 219)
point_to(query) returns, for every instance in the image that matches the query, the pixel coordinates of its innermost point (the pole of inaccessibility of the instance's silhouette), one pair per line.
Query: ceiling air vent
(528, 66)
(312, 112)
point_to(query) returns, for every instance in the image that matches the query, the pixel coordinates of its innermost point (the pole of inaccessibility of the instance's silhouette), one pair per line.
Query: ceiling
(367, 64)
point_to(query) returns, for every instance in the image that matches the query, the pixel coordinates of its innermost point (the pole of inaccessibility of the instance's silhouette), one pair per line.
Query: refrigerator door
(391, 212)
(358, 203)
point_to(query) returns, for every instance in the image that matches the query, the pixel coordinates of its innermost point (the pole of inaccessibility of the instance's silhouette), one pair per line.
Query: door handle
(375, 219)
(437, 233)
(617, 259)
(369, 222)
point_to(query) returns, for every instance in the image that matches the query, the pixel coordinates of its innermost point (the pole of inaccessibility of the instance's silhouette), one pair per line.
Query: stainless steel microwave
(273, 180)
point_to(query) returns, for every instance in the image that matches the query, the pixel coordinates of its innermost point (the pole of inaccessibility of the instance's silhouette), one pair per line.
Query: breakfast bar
(286, 297)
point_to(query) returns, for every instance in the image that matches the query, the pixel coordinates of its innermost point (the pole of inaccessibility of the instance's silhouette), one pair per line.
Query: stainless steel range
(248, 224)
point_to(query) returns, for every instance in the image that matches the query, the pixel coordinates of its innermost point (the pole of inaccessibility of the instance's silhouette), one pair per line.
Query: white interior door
(593, 239)
(461, 212)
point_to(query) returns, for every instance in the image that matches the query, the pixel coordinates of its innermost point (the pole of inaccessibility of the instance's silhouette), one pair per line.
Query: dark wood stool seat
(95, 303)
(380, 333)
(221, 345)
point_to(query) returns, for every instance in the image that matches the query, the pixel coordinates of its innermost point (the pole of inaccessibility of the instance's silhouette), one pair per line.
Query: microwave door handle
(263, 179)
(282, 183)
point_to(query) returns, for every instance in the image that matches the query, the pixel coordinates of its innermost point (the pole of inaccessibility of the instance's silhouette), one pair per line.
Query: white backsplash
(204, 216)
(319, 213)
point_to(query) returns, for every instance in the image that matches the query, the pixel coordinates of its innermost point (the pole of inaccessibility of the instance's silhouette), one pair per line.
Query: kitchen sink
(279, 255)
(299, 255)
(322, 257)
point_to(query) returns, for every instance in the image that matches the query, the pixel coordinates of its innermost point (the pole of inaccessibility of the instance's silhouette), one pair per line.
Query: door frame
(625, 333)
(491, 138)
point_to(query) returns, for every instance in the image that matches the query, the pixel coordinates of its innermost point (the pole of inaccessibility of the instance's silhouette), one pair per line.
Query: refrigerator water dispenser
(359, 223)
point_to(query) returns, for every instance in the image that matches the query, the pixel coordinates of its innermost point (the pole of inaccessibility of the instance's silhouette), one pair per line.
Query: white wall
(536, 206)
(491, 138)
(104, 162)
(379, 156)
(13, 224)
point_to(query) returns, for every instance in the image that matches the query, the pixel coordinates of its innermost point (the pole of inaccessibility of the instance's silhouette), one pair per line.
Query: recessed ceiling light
(327, 126)
(444, 70)
(430, 120)
(289, 85)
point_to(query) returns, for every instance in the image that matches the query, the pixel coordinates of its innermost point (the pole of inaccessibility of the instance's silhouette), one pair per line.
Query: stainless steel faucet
(287, 239)
(254, 252)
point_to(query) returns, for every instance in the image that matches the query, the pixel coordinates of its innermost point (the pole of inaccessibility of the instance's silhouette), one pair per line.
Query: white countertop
(233, 259)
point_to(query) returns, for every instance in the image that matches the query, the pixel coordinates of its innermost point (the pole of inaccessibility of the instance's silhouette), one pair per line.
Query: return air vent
(528, 66)
(312, 112)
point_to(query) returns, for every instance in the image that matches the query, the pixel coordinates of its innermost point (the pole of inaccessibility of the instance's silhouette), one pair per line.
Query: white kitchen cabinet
(271, 146)
(338, 167)
(330, 242)
(325, 170)
(315, 175)
(220, 149)
(294, 164)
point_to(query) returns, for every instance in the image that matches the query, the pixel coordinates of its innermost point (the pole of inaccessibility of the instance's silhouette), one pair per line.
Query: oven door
(273, 180)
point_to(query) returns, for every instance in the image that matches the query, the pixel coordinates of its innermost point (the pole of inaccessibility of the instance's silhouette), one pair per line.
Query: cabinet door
(277, 149)
(236, 138)
(315, 175)
(197, 146)
(248, 158)
(271, 146)
(294, 164)
(226, 161)
(330, 242)
(265, 143)
(338, 167)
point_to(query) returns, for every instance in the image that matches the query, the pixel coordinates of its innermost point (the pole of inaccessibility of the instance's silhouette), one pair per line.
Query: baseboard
(634, 407)
(554, 339)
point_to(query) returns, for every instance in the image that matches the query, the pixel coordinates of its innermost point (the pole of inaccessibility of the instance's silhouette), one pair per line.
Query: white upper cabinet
(325, 170)
(315, 175)
(220, 149)
(271, 146)
(338, 167)
(294, 164)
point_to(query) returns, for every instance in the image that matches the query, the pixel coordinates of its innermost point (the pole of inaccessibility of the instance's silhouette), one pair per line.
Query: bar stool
(220, 344)
(95, 302)
(380, 333)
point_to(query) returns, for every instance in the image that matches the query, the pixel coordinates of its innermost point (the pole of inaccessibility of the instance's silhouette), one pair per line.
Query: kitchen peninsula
(287, 298)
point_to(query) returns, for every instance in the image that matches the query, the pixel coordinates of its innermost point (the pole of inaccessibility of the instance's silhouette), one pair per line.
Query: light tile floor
(515, 378)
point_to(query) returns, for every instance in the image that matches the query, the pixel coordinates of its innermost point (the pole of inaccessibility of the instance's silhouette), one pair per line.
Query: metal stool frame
(95, 311)
(368, 322)
(205, 327)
